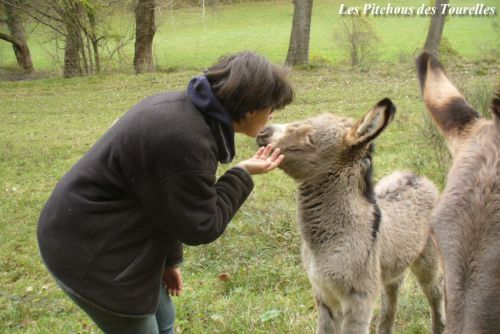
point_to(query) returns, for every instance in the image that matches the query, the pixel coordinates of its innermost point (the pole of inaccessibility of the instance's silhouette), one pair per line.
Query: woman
(112, 230)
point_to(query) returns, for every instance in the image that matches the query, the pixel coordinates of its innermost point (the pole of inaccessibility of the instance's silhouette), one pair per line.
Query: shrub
(357, 38)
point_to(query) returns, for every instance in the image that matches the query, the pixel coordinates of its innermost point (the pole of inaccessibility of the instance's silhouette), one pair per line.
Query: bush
(357, 38)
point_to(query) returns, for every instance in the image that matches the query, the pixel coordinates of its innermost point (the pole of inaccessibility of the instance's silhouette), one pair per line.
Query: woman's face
(253, 122)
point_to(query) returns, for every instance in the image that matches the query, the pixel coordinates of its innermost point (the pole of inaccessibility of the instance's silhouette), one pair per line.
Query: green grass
(48, 124)
(186, 40)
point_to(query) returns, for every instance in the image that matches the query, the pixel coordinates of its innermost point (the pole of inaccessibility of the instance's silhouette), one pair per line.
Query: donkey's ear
(447, 106)
(495, 103)
(372, 124)
(495, 107)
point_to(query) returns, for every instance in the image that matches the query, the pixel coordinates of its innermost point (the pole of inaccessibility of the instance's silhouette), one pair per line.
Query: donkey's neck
(333, 206)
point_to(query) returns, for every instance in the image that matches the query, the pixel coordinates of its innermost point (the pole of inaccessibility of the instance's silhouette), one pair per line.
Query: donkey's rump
(406, 201)
(406, 197)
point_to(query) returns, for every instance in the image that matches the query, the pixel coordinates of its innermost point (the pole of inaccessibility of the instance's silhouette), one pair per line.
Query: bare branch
(111, 3)
(35, 17)
(50, 17)
(41, 20)
(49, 25)
(32, 30)
(57, 9)
(42, 13)
(8, 38)
(122, 44)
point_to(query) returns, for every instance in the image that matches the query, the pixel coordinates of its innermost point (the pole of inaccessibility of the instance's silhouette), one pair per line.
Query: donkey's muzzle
(264, 136)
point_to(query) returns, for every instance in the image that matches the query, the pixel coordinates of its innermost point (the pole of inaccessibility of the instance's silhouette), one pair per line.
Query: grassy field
(48, 124)
(187, 40)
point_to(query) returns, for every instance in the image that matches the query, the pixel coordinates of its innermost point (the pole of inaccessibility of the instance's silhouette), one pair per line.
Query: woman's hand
(262, 162)
(172, 280)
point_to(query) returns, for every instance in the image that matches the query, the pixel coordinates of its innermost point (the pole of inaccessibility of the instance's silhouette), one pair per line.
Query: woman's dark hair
(246, 81)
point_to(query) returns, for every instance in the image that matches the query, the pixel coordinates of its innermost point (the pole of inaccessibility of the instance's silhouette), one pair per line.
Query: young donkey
(357, 239)
(466, 222)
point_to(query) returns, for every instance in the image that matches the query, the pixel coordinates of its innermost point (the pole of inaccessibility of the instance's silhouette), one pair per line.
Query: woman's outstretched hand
(263, 161)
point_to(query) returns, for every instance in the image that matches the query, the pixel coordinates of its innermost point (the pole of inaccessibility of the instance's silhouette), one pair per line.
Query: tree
(93, 37)
(357, 37)
(298, 49)
(70, 13)
(77, 22)
(145, 29)
(80, 20)
(436, 29)
(17, 36)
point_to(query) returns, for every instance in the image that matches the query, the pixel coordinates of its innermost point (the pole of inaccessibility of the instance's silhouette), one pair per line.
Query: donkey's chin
(262, 141)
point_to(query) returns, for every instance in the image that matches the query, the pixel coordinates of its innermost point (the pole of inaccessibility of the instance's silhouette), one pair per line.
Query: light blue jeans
(160, 323)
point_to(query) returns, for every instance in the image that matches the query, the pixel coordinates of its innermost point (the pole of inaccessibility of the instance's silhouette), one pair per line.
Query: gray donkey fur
(357, 240)
(466, 222)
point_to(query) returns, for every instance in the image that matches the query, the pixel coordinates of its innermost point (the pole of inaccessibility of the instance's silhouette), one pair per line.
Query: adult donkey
(466, 222)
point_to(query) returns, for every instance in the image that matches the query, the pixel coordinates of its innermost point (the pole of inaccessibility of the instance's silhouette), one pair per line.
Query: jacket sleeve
(175, 257)
(195, 209)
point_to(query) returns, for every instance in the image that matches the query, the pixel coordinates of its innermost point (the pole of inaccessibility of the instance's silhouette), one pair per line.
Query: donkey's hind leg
(430, 278)
(389, 304)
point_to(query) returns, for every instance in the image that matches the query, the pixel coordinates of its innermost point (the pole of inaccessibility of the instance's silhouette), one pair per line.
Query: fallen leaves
(224, 277)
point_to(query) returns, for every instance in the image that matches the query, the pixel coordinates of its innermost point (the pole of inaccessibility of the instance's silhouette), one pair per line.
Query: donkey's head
(451, 113)
(327, 143)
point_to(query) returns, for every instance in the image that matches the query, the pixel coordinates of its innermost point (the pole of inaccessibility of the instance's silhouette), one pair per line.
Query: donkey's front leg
(329, 316)
(358, 312)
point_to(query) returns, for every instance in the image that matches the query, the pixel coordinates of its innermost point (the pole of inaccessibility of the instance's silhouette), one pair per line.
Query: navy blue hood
(203, 98)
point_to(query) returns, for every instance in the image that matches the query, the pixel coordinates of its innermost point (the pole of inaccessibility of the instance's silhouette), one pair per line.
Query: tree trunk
(85, 62)
(145, 29)
(354, 56)
(17, 37)
(435, 29)
(298, 50)
(72, 51)
(97, 59)
(94, 40)
(91, 58)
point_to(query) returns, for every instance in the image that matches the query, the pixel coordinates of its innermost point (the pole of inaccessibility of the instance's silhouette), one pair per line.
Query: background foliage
(187, 40)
